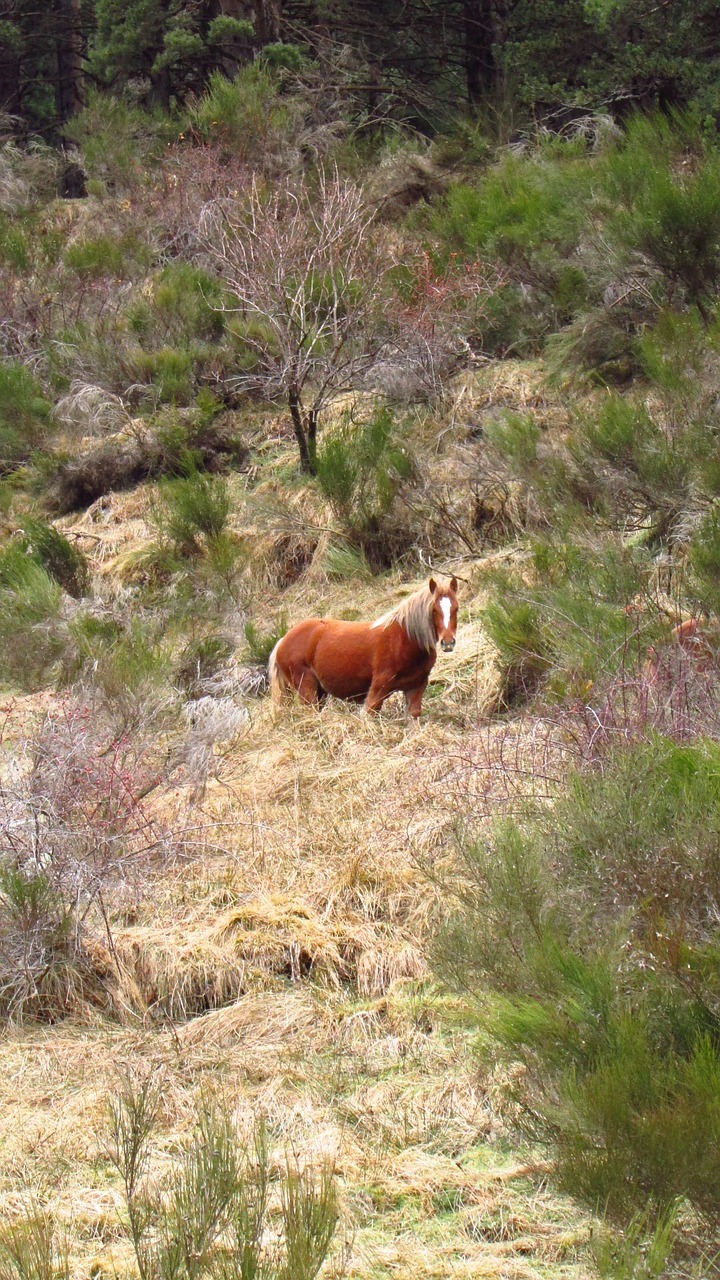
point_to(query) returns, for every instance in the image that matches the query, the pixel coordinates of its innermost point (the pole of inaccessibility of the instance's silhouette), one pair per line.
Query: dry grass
(285, 970)
(280, 959)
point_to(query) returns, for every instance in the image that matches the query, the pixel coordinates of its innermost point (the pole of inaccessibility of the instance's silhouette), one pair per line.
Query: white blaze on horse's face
(446, 633)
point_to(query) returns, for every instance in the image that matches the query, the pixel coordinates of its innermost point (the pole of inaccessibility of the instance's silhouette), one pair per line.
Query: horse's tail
(276, 677)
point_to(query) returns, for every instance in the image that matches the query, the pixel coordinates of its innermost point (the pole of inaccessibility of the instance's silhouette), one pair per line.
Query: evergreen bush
(212, 1219)
(31, 637)
(361, 468)
(24, 415)
(194, 505)
(594, 928)
(63, 561)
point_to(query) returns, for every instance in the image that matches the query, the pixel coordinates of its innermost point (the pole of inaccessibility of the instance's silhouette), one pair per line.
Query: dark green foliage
(288, 57)
(567, 622)
(122, 257)
(361, 469)
(24, 415)
(595, 928)
(179, 308)
(201, 659)
(195, 505)
(668, 191)
(529, 215)
(176, 446)
(30, 619)
(245, 113)
(118, 140)
(170, 372)
(525, 653)
(705, 562)
(63, 561)
(260, 642)
(175, 48)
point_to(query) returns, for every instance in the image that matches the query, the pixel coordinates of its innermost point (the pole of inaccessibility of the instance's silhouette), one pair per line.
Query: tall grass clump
(529, 215)
(593, 929)
(177, 308)
(568, 620)
(219, 1214)
(57, 555)
(119, 142)
(34, 1247)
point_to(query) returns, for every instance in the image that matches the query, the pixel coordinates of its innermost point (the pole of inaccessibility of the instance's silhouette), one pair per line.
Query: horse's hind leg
(304, 680)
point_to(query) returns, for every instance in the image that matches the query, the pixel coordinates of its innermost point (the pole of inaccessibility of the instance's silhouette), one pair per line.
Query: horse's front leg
(413, 701)
(377, 693)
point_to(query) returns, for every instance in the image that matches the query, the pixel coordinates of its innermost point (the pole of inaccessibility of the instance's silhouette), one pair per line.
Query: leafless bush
(429, 337)
(73, 822)
(212, 724)
(305, 275)
(676, 697)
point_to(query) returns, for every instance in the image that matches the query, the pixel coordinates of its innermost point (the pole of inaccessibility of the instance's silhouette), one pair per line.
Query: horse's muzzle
(447, 646)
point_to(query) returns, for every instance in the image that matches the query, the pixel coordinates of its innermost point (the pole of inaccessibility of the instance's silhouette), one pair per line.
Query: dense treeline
(421, 61)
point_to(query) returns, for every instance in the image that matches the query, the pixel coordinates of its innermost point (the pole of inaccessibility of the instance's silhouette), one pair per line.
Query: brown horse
(367, 661)
(688, 639)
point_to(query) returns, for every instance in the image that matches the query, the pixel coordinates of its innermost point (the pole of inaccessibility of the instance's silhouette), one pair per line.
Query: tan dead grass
(280, 961)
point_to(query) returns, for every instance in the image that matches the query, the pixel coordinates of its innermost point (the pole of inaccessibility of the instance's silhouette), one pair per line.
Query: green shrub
(90, 637)
(342, 562)
(525, 654)
(516, 436)
(170, 371)
(120, 143)
(668, 195)
(130, 674)
(14, 245)
(704, 559)
(565, 623)
(211, 1218)
(201, 659)
(194, 505)
(107, 255)
(245, 113)
(594, 927)
(260, 643)
(31, 638)
(360, 469)
(529, 215)
(521, 208)
(634, 462)
(24, 415)
(33, 1247)
(63, 561)
(179, 309)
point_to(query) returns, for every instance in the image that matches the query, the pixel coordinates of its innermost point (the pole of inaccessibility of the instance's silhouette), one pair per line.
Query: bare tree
(305, 273)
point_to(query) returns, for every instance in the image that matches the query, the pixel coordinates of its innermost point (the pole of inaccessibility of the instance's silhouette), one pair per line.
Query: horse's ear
(432, 585)
(453, 585)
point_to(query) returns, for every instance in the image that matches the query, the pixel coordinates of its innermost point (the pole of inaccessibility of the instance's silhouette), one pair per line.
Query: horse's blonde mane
(415, 614)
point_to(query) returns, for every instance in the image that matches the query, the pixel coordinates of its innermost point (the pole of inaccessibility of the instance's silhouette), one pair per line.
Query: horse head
(444, 613)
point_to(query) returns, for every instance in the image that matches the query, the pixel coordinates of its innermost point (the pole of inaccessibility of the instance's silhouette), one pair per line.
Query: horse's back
(339, 654)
